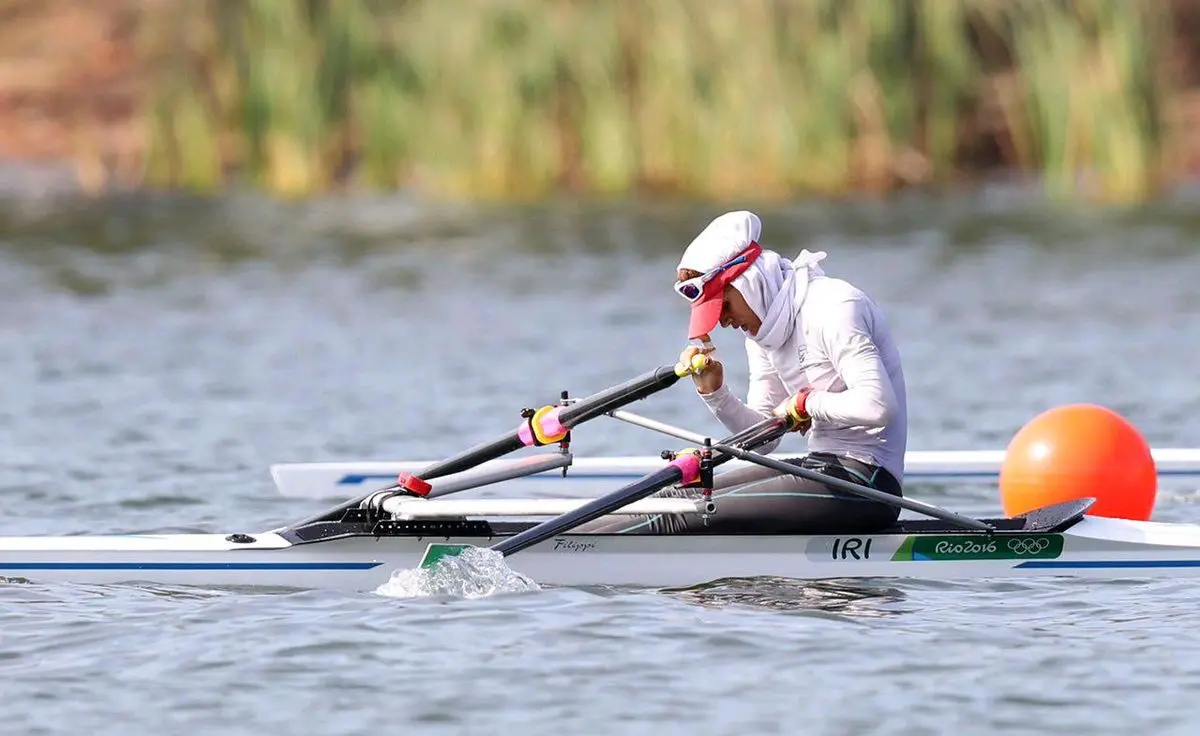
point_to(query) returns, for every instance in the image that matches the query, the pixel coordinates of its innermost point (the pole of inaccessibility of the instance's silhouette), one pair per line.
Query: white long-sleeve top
(843, 350)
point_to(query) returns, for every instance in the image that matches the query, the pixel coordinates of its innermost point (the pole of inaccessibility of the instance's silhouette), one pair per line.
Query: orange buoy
(1077, 451)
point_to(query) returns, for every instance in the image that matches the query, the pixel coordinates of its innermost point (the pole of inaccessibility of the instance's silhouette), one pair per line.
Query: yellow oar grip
(696, 366)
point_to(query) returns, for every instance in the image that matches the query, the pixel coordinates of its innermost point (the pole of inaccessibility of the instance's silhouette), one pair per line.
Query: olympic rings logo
(1028, 546)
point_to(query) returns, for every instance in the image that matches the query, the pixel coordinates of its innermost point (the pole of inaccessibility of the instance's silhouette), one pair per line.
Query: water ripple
(160, 355)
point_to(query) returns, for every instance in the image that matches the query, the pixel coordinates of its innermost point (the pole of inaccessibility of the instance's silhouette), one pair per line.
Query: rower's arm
(868, 399)
(766, 391)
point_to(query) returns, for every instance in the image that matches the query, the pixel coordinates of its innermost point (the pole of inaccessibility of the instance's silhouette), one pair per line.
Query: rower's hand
(712, 376)
(794, 412)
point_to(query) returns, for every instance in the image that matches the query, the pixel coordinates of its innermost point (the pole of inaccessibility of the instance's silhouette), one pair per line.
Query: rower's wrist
(812, 404)
(715, 396)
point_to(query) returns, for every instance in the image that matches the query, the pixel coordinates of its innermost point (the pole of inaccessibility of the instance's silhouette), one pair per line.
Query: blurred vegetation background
(525, 99)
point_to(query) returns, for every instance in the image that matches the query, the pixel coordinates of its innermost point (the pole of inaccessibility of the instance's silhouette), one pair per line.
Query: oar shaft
(597, 404)
(473, 456)
(632, 390)
(568, 416)
(661, 427)
(748, 435)
(594, 510)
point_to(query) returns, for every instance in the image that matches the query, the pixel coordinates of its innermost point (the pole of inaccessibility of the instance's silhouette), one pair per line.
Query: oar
(770, 462)
(548, 424)
(684, 468)
(551, 423)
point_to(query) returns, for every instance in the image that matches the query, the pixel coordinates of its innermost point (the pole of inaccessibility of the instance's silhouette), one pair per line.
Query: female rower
(822, 356)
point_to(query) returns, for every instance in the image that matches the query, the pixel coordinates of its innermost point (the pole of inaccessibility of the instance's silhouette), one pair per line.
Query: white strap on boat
(405, 507)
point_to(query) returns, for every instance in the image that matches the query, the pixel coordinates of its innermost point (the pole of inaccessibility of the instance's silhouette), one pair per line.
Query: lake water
(159, 354)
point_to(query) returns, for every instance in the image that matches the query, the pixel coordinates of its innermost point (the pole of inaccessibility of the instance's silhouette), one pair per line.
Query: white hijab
(774, 288)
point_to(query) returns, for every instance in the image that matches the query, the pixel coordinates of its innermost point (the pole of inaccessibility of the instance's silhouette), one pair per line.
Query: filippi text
(573, 545)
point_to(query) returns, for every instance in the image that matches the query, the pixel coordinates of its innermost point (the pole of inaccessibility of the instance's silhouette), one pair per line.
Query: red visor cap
(706, 312)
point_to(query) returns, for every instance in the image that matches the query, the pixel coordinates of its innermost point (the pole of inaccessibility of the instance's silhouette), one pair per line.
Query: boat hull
(1091, 548)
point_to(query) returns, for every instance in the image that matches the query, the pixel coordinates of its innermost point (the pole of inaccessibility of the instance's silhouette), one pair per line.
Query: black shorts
(757, 500)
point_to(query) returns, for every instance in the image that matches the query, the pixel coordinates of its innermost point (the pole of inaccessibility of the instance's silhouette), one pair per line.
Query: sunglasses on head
(692, 288)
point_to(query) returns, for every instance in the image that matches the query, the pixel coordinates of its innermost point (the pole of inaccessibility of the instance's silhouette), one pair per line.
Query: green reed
(737, 98)
(1088, 111)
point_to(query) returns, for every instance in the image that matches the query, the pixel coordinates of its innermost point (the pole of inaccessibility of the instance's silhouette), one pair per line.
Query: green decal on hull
(929, 547)
(437, 551)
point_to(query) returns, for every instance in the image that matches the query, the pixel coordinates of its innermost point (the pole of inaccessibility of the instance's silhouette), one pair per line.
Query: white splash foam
(474, 573)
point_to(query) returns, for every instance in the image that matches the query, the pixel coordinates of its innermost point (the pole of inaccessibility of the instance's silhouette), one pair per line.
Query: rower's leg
(723, 479)
(760, 500)
(793, 505)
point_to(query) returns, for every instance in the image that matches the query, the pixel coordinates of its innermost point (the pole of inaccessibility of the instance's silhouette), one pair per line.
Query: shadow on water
(842, 599)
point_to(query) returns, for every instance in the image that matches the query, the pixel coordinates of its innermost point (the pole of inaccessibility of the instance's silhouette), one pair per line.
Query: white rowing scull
(359, 544)
(353, 552)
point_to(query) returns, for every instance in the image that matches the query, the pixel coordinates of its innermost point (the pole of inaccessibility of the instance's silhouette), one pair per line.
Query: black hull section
(356, 523)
